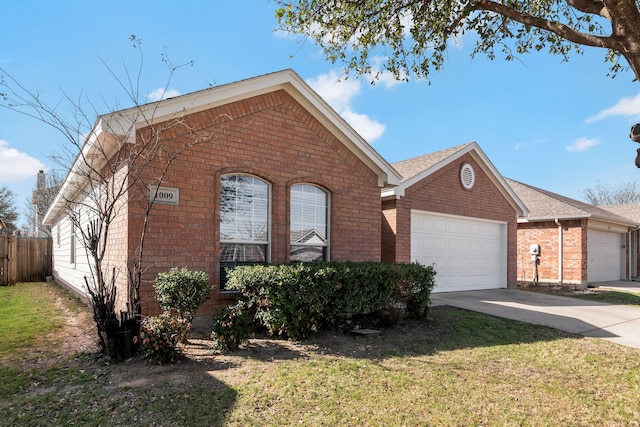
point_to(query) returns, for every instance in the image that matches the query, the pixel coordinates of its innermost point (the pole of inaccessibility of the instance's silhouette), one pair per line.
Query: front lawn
(611, 297)
(459, 368)
(28, 313)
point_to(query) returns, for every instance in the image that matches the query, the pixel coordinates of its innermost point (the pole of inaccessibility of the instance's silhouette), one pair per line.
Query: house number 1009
(164, 195)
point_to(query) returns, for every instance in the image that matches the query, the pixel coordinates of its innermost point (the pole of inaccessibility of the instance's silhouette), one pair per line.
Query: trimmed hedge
(293, 299)
(182, 291)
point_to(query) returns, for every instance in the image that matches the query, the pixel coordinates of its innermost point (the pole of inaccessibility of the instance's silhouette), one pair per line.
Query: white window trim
(266, 243)
(327, 244)
(72, 241)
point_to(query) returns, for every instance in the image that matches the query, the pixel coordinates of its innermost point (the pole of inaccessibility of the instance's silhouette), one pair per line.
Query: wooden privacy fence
(24, 259)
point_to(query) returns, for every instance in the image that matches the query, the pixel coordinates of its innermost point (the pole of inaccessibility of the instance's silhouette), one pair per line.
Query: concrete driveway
(616, 323)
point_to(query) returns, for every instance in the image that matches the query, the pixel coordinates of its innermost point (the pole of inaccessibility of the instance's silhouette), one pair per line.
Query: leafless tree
(8, 211)
(603, 194)
(110, 162)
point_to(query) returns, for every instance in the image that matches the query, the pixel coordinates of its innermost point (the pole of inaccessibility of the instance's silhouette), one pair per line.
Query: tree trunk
(625, 32)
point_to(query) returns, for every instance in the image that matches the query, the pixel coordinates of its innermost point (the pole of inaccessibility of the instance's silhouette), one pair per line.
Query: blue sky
(560, 126)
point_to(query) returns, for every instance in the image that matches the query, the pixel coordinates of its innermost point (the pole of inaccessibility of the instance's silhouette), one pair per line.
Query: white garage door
(467, 253)
(604, 256)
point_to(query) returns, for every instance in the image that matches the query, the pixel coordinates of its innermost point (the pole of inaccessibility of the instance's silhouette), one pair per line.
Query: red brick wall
(545, 234)
(635, 269)
(442, 192)
(389, 231)
(276, 139)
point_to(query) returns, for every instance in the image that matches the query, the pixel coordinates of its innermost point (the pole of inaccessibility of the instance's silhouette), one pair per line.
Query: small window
(309, 234)
(244, 222)
(72, 241)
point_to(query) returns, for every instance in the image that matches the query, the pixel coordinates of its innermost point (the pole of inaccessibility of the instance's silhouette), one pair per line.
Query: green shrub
(420, 281)
(159, 338)
(415, 283)
(289, 300)
(360, 288)
(231, 327)
(182, 291)
(293, 299)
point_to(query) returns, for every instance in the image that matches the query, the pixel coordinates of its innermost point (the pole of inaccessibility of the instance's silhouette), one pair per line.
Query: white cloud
(582, 144)
(162, 93)
(16, 165)
(339, 94)
(336, 91)
(625, 107)
(368, 128)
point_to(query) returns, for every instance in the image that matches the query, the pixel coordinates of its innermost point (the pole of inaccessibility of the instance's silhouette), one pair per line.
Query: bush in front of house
(182, 291)
(293, 299)
(288, 300)
(160, 336)
(414, 286)
(232, 327)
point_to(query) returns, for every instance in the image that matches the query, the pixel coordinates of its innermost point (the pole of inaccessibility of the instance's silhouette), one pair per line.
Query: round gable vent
(467, 176)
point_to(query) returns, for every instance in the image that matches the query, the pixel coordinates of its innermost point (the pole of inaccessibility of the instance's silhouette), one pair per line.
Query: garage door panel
(467, 253)
(604, 256)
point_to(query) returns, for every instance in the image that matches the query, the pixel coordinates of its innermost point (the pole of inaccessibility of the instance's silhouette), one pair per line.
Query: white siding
(71, 273)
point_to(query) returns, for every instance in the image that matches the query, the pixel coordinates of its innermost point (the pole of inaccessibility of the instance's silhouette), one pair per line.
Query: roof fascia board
(106, 144)
(602, 220)
(552, 218)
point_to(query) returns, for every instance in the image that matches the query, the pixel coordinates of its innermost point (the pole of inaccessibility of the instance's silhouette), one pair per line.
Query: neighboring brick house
(284, 178)
(455, 211)
(578, 243)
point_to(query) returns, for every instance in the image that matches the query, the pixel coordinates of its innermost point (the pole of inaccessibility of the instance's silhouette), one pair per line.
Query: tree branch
(593, 7)
(558, 28)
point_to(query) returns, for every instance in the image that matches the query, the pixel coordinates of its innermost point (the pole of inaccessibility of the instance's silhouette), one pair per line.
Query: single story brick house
(282, 177)
(279, 176)
(455, 211)
(577, 243)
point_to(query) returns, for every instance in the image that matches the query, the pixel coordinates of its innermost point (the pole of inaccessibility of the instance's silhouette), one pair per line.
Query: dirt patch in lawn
(265, 354)
(566, 290)
(76, 346)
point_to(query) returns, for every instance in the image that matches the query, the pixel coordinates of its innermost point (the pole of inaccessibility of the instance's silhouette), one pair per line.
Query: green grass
(460, 368)
(612, 297)
(27, 315)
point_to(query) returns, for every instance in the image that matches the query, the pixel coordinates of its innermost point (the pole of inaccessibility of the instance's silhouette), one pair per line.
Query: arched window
(309, 234)
(244, 222)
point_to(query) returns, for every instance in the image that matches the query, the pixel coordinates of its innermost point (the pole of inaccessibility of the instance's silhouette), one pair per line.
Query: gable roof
(124, 123)
(287, 80)
(416, 169)
(544, 205)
